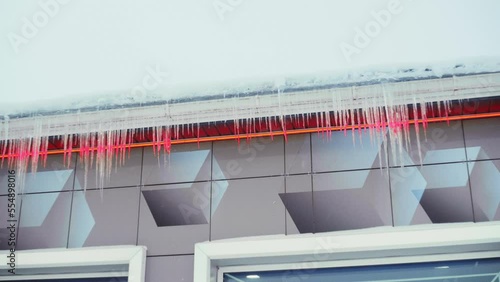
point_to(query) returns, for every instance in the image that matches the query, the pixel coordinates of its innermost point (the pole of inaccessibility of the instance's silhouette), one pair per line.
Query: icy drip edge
(109, 149)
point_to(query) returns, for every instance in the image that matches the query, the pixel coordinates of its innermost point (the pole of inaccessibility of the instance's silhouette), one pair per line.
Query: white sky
(99, 46)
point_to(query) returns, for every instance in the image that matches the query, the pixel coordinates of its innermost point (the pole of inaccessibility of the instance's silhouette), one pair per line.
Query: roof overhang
(324, 100)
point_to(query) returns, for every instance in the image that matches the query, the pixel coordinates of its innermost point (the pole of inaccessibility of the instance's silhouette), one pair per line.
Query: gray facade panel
(337, 152)
(186, 163)
(172, 268)
(104, 218)
(174, 217)
(351, 200)
(482, 138)
(485, 185)
(248, 207)
(5, 215)
(298, 154)
(53, 176)
(431, 194)
(259, 157)
(441, 143)
(127, 172)
(44, 221)
(298, 201)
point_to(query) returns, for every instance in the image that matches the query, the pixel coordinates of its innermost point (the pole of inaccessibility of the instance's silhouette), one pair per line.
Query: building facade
(309, 183)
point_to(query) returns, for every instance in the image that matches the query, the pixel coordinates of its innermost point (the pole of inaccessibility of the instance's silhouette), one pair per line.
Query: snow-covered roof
(182, 93)
(368, 95)
(95, 54)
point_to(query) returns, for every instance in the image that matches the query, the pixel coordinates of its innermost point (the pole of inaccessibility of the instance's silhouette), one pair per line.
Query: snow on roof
(257, 86)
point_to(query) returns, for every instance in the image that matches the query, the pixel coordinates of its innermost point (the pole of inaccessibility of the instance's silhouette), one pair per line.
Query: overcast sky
(98, 46)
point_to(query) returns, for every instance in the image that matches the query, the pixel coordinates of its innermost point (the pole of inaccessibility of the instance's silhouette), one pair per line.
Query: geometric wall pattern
(312, 183)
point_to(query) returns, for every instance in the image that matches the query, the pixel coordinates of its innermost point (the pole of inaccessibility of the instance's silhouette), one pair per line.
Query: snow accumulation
(60, 55)
(178, 93)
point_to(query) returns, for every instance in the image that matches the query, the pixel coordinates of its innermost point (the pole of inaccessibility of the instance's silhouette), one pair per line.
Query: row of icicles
(110, 149)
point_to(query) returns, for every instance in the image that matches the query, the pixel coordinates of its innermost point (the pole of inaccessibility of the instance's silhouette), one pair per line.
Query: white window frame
(374, 246)
(133, 256)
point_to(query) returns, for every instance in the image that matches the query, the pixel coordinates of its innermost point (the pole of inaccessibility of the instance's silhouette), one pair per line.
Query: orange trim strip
(280, 133)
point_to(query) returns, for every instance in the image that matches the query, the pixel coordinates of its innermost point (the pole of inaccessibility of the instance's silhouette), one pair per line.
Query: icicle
(281, 116)
(283, 125)
(417, 129)
(447, 111)
(351, 123)
(329, 125)
(84, 156)
(45, 150)
(3, 146)
(168, 141)
(358, 124)
(65, 144)
(439, 108)
(123, 146)
(93, 141)
(100, 163)
(237, 130)
(269, 121)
